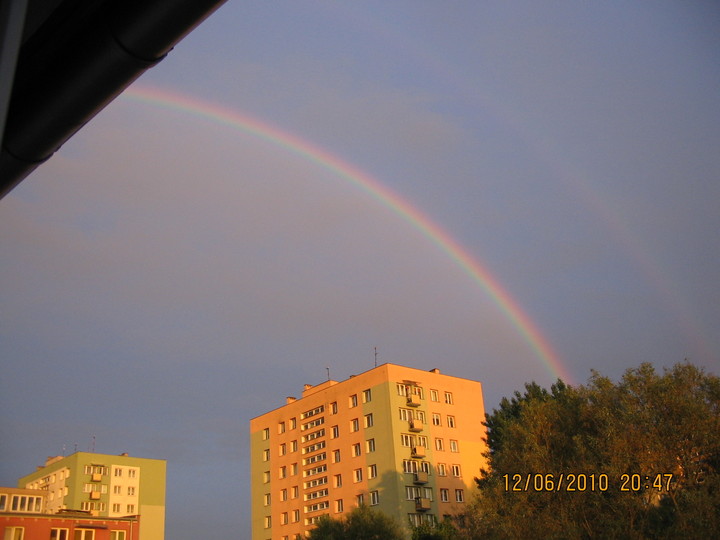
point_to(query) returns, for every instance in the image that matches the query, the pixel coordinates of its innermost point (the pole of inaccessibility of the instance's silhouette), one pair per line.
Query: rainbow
(360, 180)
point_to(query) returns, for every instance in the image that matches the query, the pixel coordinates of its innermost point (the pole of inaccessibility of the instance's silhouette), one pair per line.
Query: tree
(360, 524)
(444, 530)
(636, 459)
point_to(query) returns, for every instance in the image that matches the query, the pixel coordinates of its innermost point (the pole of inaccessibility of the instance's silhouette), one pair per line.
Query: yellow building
(105, 486)
(405, 441)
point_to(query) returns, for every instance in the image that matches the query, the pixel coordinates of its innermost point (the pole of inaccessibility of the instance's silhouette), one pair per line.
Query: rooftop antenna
(328, 372)
(93, 445)
(375, 356)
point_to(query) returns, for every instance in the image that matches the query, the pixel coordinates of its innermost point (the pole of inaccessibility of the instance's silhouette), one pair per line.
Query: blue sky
(166, 278)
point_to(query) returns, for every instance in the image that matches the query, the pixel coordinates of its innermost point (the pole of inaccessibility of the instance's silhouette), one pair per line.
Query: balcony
(413, 400)
(416, 425)
(422, 504)
(421, 477)
(94, 495)
(96, 477)
(418, 451)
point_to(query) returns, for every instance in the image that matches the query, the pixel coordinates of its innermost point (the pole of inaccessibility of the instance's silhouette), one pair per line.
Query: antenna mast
(375, 356)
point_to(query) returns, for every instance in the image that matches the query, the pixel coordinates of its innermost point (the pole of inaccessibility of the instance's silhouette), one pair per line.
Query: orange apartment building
(405, 441)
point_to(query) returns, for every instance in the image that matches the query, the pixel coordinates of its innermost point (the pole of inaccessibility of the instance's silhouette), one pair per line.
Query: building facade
(105, 486)
(66, 526)
(405, 441)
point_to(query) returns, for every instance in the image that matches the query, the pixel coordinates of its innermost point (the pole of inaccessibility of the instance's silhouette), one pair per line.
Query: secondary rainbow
(229, 117)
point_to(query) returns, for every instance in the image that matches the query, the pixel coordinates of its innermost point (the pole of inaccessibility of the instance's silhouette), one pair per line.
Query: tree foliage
(627, 433)
(362, 523)
(445, 530)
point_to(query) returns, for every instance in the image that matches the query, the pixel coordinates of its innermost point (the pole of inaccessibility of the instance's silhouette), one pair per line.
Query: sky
(507, 191)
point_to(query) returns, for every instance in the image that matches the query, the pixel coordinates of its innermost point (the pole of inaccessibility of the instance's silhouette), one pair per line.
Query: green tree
(444, 530)
(628, 433)
(362, 523)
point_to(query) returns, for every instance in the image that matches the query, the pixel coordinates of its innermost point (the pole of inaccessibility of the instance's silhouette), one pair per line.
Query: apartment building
(406, 441)
(104, 486)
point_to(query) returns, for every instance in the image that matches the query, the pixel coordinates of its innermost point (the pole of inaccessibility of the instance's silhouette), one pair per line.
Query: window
(284, 518)
(293, 446)
(434, 395)
(315, 470)
(335, 432)
(118, 472)
(296, 516)
(281, 427)
(372, 471)
(374, 498)
(333, 407)
(14, 533)
(117, 490)
(313, 423)
(367, 396)
(455, 470)
(132, 473)
(282, 472)
(266, 454)
(407, 440)
(283, 494)
(339, 505)
(409, 466)
(353, 401)
(454, 445)
(293, 469)
(314, 447)
(295, 493)
(356, 450)
(266, 477)
(360, 499)
(266, 499)
(412, 492)
(313, 412)
(368, 420)
(317, 506)
(422, 440)
(448, 398)
(436, 421)
(370, 445)
(283, 449)
(336, 456)
(316, 482)
(265, 435)
(439, 444)
(402, 389)
(116, 508)
(450, 421)
(357, 475)
(444, 495)
(441, 469)
(293, 423)
(84, 534)
(354, 425)
(313, 459)
(459, 495)
(316, 494)
(268, 522)
(131, 490)
(337, 480)
(314, 435)
(59, 534)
